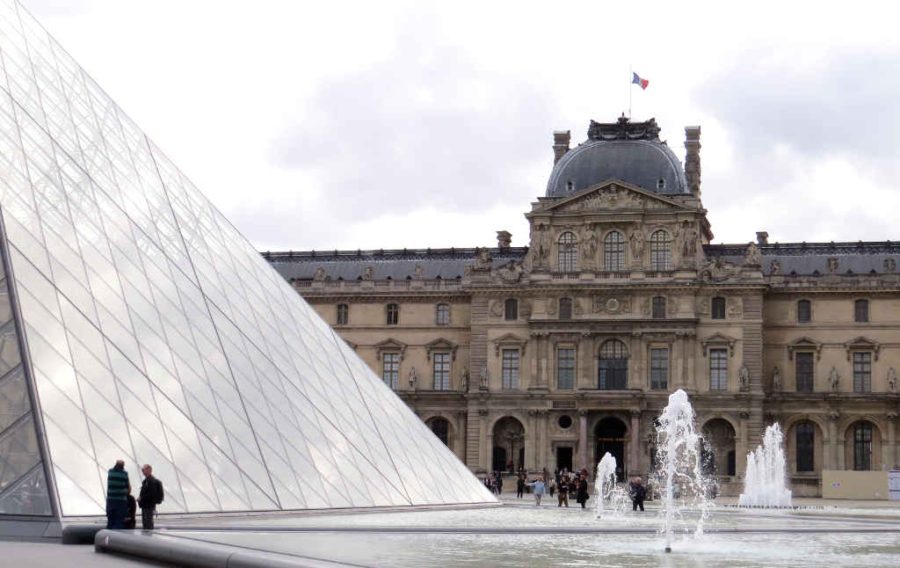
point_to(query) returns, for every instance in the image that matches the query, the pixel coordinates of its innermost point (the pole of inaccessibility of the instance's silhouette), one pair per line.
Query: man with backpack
(151, 495)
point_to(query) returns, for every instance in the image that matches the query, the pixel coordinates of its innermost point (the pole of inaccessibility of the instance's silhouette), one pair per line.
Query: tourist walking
(581, 492)
(563, 492)
(638, 493)
(538, 488)
(131, 515)
(151, 495)
(520, 486)
(117, 489)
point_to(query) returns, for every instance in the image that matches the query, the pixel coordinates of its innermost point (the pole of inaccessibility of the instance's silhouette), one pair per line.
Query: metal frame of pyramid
(137, 323)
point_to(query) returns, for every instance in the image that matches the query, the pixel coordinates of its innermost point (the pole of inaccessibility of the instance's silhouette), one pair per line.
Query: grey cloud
(426, 126)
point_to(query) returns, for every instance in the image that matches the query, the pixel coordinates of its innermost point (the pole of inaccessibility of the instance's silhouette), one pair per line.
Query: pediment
(509, 340)
(862, 344)
(804, 344)
(391, 345)
(614, 195)
(440, 345)
(719, 340)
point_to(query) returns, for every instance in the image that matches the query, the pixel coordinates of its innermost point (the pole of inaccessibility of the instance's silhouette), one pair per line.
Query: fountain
(679, 455)
(611, 499)
(764, 481)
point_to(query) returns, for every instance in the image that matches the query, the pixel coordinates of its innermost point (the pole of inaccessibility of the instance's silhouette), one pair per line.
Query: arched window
(861, 311)
(659, 307)
(441, 428)
(614, 252)
(568, 252)
(718, 308)
(660, 251)
(343, 314)
(511, 309)
(806, 444)
(862, 446)
(442, 314)
(565, 308)
(613, 372)
(804, 311)
(393, 314)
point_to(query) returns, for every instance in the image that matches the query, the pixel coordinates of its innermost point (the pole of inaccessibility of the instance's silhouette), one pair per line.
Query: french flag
(636, 80)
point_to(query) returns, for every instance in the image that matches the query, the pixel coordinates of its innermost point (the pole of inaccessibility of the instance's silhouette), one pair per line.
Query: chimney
(692, 159)
(561, 140)
(504, 239)
(762, 238)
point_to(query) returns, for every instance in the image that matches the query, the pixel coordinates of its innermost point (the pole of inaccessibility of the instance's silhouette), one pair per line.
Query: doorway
(610, 437)
(564, 458)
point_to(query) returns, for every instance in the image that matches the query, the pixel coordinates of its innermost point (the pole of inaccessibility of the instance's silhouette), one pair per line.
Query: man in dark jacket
(117, 489)
(638, 493)
(151, 496)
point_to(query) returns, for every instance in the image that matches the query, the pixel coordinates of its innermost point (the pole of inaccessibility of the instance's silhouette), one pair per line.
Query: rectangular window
(718, 308)
(659, 307)
(441, 366)
(390, 369)
(806, 438)
(861, 311)
(565, 368)
(718, 369)
(442, 314)
(510, 369)
(659, 368)
(804, 311)
(803, 364)
(343, 314)
(862, 372)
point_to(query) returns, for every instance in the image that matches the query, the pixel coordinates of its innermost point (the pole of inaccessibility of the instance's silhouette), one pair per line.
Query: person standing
(581, 493)
(520, 486)
(638, 493)
(151, 495)
(117, 489)
(563, 488)
(538, 487)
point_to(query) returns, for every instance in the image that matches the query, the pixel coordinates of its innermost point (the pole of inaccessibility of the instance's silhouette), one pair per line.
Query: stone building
(548, 356)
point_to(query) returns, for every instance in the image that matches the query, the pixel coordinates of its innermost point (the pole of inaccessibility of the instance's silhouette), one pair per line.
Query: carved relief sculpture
(484, 378)
(637, 245)
(368, 273)
(890, 265)
(776, 379)
(752, 257)
(744, 378)
(832, 264)
(464, 380)
(589, 250)
(319, 275)
(775, 267)
(419, 272)
(834, 378)
(496, 308)
(484, 260)
(413, 379)
(892, 380)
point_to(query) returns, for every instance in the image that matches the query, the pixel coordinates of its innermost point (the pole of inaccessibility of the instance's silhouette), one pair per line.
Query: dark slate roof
(811, 258)
(630, 152)
(393, 264)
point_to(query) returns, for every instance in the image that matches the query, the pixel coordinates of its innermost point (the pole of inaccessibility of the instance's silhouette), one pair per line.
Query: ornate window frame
(718, 340)
(509, 341)
(441, 345)
(862, 344)
(804, 344)
(392, 345)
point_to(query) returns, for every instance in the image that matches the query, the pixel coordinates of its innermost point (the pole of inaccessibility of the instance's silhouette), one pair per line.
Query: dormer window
(570, 185)
(660, 183)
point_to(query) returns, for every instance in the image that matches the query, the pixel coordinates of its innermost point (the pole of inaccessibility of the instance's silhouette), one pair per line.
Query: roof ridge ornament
(624, 129)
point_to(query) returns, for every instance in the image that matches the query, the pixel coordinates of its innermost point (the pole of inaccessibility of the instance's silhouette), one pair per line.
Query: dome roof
(630, 152)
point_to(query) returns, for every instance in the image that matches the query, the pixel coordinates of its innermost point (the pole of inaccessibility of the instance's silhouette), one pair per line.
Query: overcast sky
(413, 124)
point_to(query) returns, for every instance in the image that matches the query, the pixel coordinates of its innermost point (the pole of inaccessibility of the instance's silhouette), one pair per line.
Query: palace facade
(550, 355)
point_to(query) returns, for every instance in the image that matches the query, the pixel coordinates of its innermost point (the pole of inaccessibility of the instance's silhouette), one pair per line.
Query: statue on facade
(775, 267)
(483, 260)
(319, 275)
(413, 379)
(689, 246)
(890, 265)
(368, 273)
(776, 379)
(589, 251)
(892, 380)
(832, 264)
(484, 378)
(744, 377)
(464, 379)
(834, 378)
(637, 243)
(752, 257)
(419, 272)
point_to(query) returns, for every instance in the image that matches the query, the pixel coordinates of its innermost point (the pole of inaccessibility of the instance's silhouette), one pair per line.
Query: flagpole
(630, 89)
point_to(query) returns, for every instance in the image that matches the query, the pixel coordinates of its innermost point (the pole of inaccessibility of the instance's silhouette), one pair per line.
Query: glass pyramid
(137, 323)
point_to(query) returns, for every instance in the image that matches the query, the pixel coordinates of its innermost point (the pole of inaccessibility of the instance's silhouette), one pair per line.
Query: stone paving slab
(53, 555)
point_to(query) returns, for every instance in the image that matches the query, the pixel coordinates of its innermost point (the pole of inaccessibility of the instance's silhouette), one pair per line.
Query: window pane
(614, 252)
(659, 307)
(804, 311)
(565, 308)
(511, 309)
(805, 446)
(660, 251)
(862, 372)
(804, 369)
(862, 447)
(568, 253)
(393, 314)
(510, 368)
(441, 368)
(565, 368)
(718, 308)
(659, 368)
(862, 311)
(613, 371)
(390, 369)
(718, 369)
(343, 313)
(443, 314)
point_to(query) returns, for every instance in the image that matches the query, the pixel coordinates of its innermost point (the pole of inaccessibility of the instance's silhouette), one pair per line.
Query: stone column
(889, 450)
(836, 459)
(634, 444)
(582, 438)
(542, 447)
(462, 433)
(487, 440)
(531, 441)
(740, 447)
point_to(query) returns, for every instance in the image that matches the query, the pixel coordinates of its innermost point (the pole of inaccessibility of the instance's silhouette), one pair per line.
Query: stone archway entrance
(718, 447)
(609, 435)
(509, 445)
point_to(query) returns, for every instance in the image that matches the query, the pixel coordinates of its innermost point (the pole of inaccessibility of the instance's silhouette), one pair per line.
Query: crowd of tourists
(564, 485)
